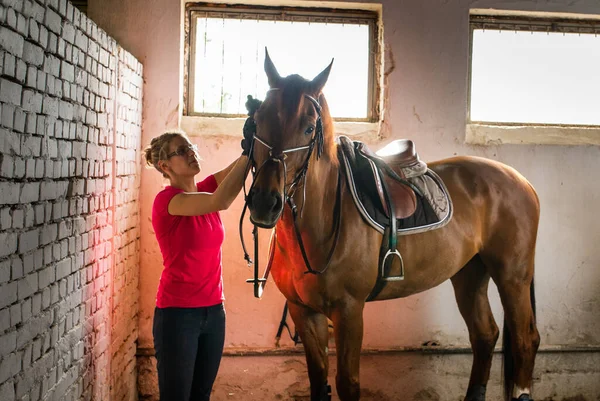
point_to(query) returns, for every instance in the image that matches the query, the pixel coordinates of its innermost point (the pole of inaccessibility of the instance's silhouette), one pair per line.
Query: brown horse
(492, 234)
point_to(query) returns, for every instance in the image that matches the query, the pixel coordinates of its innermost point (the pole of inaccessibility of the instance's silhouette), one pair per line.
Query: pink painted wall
(427, 96)
(428, 42)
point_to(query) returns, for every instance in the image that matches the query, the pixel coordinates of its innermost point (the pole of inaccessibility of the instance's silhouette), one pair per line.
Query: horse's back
(477, 176)
(492, 197)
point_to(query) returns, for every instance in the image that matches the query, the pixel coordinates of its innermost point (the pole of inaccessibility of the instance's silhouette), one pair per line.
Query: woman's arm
(198, 203)
(220, 175)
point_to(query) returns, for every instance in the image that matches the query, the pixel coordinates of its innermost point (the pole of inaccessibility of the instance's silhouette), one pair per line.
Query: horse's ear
(318, 82)
(272, 74)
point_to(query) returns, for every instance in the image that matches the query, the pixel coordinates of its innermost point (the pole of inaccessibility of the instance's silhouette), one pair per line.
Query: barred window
(534, 70)
(225, 51)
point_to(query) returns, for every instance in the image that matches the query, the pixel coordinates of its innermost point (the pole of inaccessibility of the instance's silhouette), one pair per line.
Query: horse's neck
(316, 202)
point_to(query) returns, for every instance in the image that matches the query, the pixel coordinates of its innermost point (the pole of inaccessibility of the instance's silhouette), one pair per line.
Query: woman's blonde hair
(159, 146)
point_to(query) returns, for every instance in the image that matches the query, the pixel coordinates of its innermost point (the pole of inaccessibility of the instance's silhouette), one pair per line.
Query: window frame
(285, 13)
(494, 133)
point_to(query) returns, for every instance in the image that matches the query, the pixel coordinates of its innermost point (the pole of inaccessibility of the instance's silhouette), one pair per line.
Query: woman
(189, 318)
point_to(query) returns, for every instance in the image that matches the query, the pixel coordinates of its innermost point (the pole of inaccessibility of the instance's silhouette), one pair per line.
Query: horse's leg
(520, 335)
(470, 288)
(348, 328)
(314, 332)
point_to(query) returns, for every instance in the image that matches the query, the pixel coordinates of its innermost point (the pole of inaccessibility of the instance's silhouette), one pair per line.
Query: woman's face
(182, 157)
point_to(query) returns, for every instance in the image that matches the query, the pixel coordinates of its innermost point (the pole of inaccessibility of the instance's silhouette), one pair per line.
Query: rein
(337, 212)
(289, 192)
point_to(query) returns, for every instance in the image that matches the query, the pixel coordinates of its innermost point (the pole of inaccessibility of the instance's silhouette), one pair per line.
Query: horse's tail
(508, 362)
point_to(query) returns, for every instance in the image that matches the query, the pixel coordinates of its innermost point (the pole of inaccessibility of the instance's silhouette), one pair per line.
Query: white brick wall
(70, 133)
(126, 217)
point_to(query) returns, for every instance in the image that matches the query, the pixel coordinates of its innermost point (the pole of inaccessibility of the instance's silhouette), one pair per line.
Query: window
(224, 53)
(534, 70)
(533, 79)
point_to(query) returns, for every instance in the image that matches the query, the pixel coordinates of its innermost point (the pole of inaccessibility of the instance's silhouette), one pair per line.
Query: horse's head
(293, 129)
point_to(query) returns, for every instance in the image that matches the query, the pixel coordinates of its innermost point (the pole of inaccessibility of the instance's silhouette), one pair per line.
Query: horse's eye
(309, 130)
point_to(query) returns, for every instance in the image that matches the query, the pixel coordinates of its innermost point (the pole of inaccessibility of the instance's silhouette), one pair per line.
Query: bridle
(317, 141)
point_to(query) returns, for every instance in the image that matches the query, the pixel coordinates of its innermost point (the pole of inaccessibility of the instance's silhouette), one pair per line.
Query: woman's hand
(252, 105)
(249, 132)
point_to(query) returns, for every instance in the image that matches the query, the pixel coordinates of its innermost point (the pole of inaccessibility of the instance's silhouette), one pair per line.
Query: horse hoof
(523, 397)
(326, 393)
(476, 393)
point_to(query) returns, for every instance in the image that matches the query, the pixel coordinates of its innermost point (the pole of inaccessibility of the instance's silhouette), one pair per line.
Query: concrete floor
(417, 376)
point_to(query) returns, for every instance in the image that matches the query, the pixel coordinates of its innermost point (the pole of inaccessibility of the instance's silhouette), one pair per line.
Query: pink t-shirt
(191, 250)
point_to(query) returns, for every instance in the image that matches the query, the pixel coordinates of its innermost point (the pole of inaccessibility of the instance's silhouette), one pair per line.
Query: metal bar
(312, 14)
(534, 24)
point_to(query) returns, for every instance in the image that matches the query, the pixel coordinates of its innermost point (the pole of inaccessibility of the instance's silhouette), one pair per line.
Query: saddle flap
(404, 200)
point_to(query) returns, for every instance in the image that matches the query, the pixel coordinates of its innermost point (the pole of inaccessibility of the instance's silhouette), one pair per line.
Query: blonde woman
(189, 318)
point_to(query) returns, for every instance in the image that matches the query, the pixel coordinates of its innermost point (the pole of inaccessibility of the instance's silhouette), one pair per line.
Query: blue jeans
(188, 344)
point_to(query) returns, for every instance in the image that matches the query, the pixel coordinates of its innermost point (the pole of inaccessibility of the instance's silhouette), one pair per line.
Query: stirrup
(392, 278)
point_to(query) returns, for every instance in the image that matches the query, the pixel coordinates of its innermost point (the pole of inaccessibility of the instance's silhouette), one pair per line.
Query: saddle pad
(434, 208)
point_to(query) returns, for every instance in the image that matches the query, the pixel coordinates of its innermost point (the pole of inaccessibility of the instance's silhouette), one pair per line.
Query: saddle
(380, 181)
(395, 193)
(401, 158)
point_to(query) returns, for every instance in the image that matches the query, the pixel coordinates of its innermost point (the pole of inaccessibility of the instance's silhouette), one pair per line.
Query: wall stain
(173, 116)
(427, 394)
(417, 115)
(299, 392)
(386, 128)
(575, 398)
(378, 395)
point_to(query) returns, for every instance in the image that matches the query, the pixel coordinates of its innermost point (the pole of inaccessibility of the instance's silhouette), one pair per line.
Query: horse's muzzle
(265, 207)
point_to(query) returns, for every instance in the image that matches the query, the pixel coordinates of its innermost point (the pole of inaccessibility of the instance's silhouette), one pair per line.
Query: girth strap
(386, 259)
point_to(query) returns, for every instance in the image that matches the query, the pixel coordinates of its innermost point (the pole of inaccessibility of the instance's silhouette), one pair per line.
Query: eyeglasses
(183, 151)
